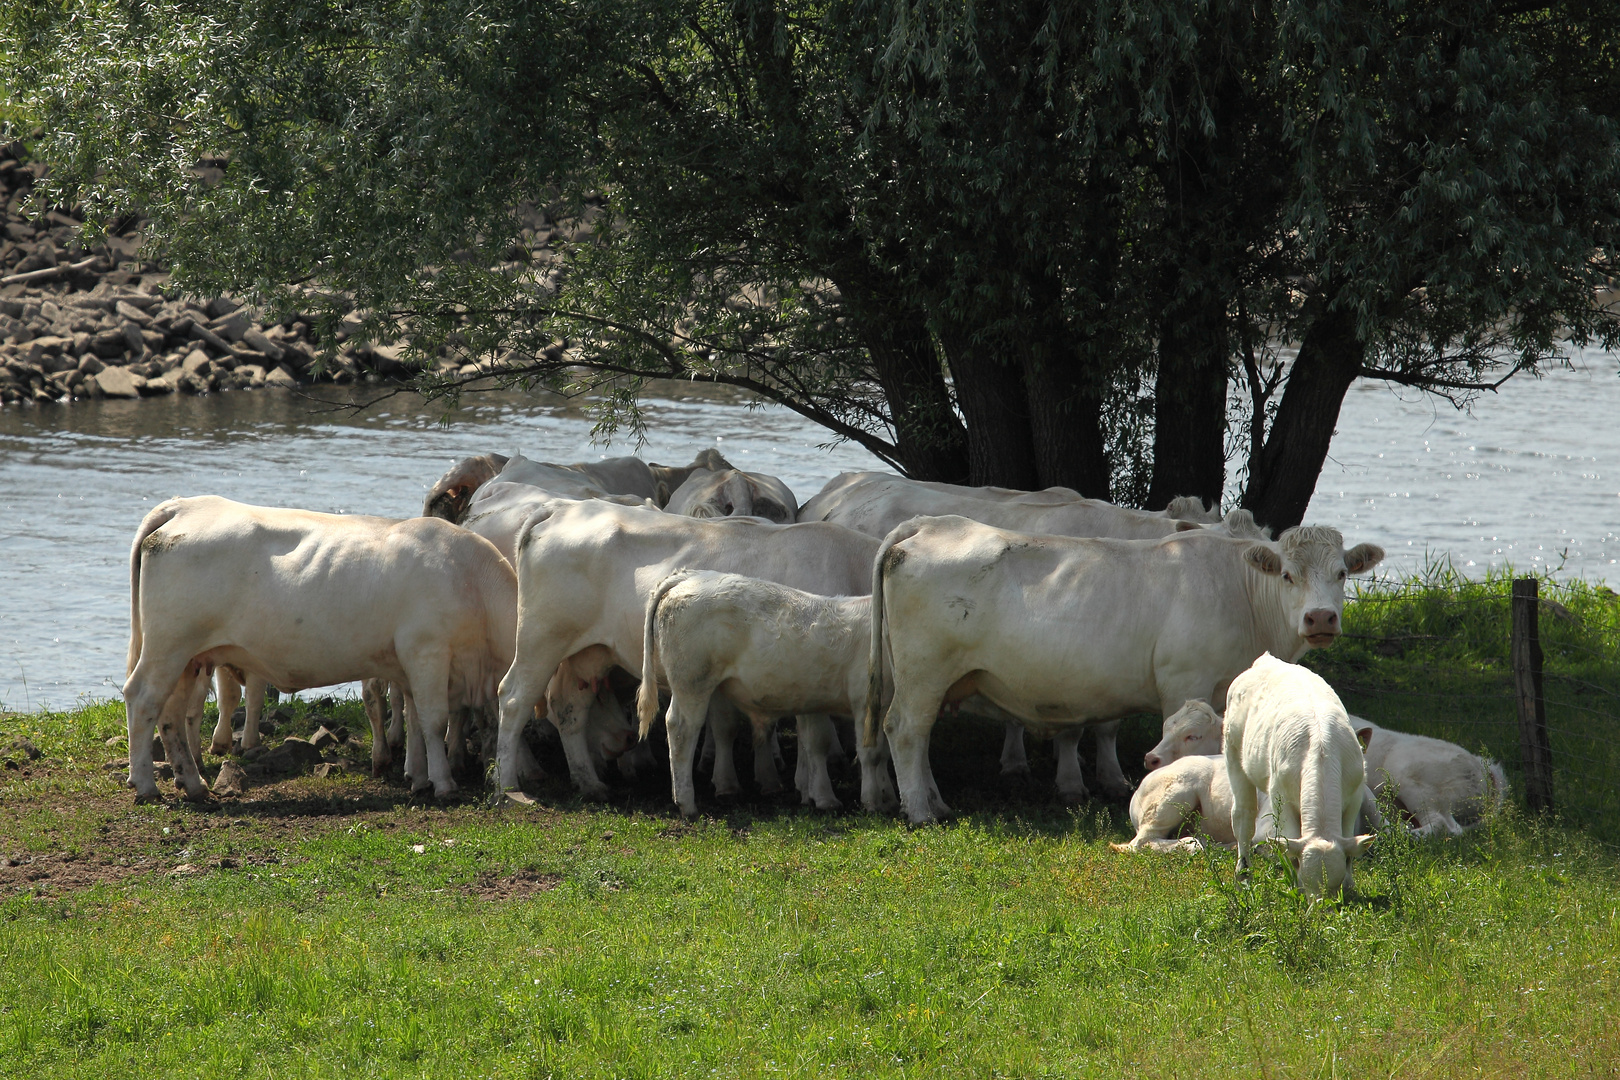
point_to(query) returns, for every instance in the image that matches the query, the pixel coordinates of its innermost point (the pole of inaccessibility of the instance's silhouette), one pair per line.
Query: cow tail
(1496, 783)
(151, 523)
(647, 696)
(874, 687)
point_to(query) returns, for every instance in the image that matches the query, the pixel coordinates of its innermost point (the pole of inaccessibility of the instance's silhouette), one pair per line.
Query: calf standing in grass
(1287, 734)
(773, 651)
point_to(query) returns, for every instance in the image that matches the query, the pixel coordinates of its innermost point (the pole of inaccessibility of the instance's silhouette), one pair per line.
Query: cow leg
(229, 694)
(817, 737)
(455, 740)
(1014, 761)
(1245, 807)
(146, 693)
(428, 673)
(196, 703)
(877, 783)
(176, 728)
(253, 687)
(396, 720)
(723, 734)
(683, 722)
(523, 694)
(569, 708)
(373, 694)
(1110, 777)
(777, 760)
(909, 724)
(765, 762)
(415, 748)
(705, 757)
(1071, 783)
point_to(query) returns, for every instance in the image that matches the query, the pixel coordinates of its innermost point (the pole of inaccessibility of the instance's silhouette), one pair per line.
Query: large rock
(108, 344)
(117, 382)
(281, 377)
(254, 338)
(232, 327)
(232, 779)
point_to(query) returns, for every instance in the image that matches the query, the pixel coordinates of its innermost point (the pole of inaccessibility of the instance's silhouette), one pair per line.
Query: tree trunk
(929, 438)
(1329, 361)
(1065, 424)
(1189, 406)
(990, 394)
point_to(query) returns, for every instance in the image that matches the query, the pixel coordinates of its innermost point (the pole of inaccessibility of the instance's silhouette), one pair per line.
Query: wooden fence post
(1535, 749)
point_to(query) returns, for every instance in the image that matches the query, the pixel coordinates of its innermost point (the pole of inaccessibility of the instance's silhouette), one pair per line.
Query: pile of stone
(100, 323)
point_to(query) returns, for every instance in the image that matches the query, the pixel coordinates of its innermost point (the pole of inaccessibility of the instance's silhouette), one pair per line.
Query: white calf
(773, 651)
(1287, 734)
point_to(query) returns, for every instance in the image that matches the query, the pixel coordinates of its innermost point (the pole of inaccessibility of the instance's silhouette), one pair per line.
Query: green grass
(1431, 654)
(306, 935)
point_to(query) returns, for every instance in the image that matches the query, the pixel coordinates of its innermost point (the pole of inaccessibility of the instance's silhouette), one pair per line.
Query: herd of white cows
(883, 600)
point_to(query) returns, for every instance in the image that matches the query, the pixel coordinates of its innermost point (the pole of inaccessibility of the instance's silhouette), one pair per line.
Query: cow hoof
(1015, 770)
(831, 802)
(220, 751)
(595, 792)
(446, 793)
(148, 798)
(1073, 797)
(518, 798)
(1115, 790)
(1120, 847)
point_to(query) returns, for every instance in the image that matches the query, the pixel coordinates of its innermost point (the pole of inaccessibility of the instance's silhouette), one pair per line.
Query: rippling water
(1531, 477)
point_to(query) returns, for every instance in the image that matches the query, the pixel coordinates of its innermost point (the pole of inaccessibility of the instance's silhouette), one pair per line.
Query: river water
(1531, 476)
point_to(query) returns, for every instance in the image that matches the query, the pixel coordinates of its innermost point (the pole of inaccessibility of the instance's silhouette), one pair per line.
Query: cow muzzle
(1321, 626)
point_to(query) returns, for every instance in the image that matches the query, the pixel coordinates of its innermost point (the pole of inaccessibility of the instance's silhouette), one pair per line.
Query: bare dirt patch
(515, 886)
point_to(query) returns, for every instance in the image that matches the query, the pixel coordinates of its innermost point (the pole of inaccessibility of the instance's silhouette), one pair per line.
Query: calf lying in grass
(1441, 785)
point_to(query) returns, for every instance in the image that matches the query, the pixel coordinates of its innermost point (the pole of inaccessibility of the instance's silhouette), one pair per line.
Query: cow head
(1191, 730)
(668, 478)
(1322, 864)
(449, 497)
(734, 493)
(1310, 564)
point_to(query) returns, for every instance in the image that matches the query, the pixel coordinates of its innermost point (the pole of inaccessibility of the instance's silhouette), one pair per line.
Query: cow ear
(661, 493)
(1364, 736)
(1293, 845)
(1363, 557)
(1263, 559)
(1357, 846)
(1186, 526)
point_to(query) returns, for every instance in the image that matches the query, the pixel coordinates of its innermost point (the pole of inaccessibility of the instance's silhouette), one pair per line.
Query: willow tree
(1025, 243)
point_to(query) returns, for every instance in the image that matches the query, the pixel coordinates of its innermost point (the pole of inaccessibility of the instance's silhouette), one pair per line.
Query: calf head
(1191, 730)
(1311, 564)
(1322, 865)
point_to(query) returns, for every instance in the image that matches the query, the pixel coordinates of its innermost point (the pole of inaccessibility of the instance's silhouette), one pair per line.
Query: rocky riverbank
(99, 322)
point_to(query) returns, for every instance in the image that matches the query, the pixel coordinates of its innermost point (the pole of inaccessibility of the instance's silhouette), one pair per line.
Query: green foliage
(835, 202)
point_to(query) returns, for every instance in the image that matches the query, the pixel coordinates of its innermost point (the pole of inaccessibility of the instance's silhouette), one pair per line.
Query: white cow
(772, 650)
(1061, 631)
(450, 496)
(586, 570)
(876, 502)
(1287, 734)
(301, 599)
(731, 492)
(1437, 782)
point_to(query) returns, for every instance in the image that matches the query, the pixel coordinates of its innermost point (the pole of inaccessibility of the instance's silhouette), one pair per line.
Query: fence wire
(1433, 656)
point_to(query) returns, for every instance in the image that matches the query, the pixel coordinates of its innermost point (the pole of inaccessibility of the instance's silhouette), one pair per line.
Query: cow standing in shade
(1060, 631)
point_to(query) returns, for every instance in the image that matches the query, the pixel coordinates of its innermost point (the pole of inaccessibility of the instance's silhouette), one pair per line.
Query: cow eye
(1288, 577)
(1188, 738)
(1343, 575)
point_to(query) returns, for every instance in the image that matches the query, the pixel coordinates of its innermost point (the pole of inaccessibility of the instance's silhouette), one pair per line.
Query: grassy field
(336, 926)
